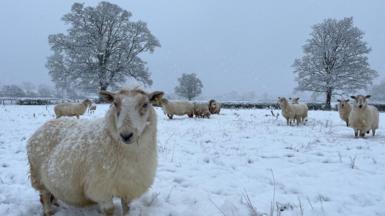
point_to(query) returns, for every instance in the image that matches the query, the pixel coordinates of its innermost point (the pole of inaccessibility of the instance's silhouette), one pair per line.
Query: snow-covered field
(226, 165)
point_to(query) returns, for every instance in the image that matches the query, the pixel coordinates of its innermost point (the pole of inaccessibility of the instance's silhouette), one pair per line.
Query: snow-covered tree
(378, 91)
(29, 89)
(60, 73)
(101, 48)
(45, 91)
(335, 60)
(189, 87)
(12, 91)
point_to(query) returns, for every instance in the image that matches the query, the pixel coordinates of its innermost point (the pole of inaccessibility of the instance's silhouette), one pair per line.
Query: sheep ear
(338, 100)
(354, 97)
(107, 96)
(297, 98)
(289, 98)
(368, 96)
(153, 96)
(347, 100)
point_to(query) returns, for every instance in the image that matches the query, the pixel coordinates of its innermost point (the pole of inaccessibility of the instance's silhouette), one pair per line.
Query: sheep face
(87, 102)
(343, 103)
(282, 102)
(213, 106)
(360, 101)
(131, 110)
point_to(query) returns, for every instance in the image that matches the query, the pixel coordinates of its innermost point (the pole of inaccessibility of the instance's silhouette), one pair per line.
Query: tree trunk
(328, 98)
(103, 87)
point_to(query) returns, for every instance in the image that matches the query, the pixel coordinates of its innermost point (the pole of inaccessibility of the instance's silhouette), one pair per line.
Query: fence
(312, 106)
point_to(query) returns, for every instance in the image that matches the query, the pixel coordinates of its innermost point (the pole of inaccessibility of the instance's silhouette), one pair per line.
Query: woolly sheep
(180, 108)
(72, 109)
(288, 111)
(201, 110)
(214, 107)
(91, 161)
(363, 117)
(344, 109)
(301, 111)
(293, 112)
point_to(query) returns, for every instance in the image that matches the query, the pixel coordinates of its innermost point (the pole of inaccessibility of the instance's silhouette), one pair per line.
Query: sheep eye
(145, 105)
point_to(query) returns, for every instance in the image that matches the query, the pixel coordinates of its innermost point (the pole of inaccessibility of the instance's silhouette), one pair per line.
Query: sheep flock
(86, 162)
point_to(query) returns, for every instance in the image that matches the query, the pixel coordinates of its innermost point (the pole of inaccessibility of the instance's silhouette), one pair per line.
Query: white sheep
(214, 107)
(363, 117)
(92, 161)
(301, 112)
(344, 109)
(288, 111)
(71, 109)
(293, 112)
(179, 108)
(201, 110)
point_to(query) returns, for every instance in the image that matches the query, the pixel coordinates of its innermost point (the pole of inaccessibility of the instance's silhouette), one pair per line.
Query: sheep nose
(126, 137)
(360, 106)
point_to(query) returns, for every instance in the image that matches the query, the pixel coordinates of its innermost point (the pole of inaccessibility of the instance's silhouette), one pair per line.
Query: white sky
(232, 45)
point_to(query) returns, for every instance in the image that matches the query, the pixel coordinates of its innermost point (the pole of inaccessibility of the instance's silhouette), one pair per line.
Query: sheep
(363, 117)
(293, 112)
(92, 161)
(214, 107)
(72, 109)
(92, 108)
(301, 111)
(288, 111)
(180, 108)
(201, 110)
(344, 109)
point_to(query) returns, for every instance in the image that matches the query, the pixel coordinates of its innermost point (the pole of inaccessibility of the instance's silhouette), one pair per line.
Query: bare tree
(189, 87)
(335, 60)
(101, 48)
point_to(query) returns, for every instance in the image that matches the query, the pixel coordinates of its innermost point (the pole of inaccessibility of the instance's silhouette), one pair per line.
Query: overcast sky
(233, 45)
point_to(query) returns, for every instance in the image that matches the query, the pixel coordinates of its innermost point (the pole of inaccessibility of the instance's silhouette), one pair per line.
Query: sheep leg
(190, 115)
(169, 116)
(374, 132)
(355, 133)
(125, 205)
(107, 208)
(362, 133)
(46, 199)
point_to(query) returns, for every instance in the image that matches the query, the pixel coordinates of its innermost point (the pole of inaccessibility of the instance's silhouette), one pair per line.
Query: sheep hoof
(48, 213)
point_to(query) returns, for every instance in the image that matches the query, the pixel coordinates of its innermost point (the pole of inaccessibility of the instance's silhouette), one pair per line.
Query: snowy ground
(211, 166)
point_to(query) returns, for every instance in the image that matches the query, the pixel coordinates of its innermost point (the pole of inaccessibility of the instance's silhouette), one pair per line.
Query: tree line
(102, 48)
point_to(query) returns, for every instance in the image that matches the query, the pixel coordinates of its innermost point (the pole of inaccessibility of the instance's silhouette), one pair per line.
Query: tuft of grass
(353, 161)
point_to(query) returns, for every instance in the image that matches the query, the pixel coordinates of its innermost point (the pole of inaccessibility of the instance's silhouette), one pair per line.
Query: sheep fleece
(80, 164)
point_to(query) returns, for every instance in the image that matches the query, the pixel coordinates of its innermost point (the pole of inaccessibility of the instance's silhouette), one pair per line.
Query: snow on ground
(214, 166)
